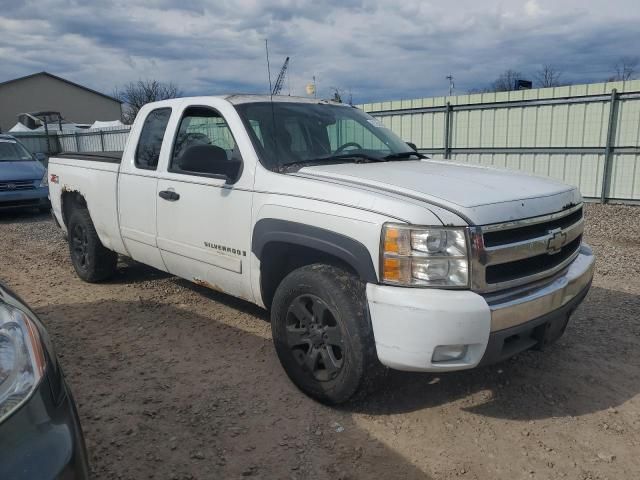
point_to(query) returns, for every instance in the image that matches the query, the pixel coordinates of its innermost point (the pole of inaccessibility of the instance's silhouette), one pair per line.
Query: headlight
(424, 256)
(22, 360)
(45, 181)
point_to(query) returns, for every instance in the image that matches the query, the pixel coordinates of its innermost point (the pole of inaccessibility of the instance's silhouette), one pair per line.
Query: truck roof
(240, 98)
(237, 99)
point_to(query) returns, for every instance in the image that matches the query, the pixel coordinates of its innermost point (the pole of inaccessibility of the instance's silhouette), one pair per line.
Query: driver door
(204, 220)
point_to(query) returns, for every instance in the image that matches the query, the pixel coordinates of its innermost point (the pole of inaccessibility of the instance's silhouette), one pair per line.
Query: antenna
(273, 111)
(266, 47)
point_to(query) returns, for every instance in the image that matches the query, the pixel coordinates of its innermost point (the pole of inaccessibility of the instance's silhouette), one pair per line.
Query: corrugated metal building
(586, 135)
(44, 91)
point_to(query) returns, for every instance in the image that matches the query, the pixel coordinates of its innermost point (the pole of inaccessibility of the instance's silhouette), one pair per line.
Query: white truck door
(137, 186)
(204, 220)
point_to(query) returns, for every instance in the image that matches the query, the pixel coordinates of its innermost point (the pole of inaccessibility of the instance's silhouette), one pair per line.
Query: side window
(150, 142)
(256, 129)
(201, 126)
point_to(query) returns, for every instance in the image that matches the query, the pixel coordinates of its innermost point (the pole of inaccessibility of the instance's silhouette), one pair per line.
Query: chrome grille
(17, 185)
(516, 253)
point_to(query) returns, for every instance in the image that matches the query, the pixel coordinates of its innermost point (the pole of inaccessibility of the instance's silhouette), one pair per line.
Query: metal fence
(585, 135)
(110, 139)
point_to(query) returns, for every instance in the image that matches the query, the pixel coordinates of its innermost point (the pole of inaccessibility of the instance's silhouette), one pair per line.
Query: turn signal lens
(397, 270)
(392, 269)
(397, 241)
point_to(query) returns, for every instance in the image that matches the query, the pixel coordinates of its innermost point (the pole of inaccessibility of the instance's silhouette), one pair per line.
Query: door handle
(169, 195)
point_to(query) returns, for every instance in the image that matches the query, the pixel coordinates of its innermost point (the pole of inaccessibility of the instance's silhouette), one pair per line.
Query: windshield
(12, 151)
(288, 133)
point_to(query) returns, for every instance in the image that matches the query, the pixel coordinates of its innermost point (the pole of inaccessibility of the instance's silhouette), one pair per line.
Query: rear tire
(91, 260)
(322, 333)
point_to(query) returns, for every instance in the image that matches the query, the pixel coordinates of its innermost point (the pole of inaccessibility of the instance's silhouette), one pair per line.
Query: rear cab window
(151, 137)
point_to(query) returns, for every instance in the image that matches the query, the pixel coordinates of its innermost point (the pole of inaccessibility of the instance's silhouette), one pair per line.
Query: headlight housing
(22, 360)
(45, 181)
(417, 256)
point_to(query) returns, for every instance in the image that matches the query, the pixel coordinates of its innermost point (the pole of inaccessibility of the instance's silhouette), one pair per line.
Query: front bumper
(36, 197)
(409, 323)
(43, 439)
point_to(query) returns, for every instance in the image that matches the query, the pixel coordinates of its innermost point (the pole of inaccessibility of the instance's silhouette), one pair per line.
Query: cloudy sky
(377, 49)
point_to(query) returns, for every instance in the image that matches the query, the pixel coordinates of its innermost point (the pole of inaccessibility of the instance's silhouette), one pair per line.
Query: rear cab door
(138, 180)
(203, 219)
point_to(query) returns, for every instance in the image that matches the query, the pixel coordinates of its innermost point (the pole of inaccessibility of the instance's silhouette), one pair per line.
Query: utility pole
(451, 84)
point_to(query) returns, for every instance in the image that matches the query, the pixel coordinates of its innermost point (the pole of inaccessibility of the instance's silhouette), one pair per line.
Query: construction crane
(280, 80)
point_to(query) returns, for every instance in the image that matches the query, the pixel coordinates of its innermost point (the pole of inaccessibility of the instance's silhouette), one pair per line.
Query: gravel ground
(177, 382)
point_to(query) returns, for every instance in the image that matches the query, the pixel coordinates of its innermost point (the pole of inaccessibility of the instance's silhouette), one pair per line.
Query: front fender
(350, 251)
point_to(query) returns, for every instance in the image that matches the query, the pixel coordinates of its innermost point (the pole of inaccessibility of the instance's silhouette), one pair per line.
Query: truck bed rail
(109, 157)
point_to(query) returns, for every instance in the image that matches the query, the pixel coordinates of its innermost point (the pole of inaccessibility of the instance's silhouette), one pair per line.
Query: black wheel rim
(314, 337)
(80, 246)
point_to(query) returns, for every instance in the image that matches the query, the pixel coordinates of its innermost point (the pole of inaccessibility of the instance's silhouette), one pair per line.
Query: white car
(366, 253)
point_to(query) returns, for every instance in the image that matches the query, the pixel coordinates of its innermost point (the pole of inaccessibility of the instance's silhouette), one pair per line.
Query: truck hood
(24, 170)
(480, 195)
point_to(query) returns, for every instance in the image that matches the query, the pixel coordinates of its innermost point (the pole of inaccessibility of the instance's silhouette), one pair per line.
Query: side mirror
(412, 145)
(210, 160)
(41, 157)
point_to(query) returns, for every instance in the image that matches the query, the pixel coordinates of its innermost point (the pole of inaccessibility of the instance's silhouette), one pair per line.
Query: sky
(373, 49)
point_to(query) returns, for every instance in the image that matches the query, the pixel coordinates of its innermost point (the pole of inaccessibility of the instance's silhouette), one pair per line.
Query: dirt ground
(174, 381)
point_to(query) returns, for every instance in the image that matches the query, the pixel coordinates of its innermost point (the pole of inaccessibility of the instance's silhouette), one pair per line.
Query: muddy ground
(174, 381)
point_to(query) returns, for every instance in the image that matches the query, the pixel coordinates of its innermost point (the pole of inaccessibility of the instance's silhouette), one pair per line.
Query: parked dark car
(23, 178)
(40, 434)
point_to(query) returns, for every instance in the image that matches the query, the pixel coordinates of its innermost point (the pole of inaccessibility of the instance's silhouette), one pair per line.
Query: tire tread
(103, 261)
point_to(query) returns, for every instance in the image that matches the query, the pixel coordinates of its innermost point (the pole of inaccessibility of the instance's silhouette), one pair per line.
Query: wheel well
(281, 258)
(71, 201)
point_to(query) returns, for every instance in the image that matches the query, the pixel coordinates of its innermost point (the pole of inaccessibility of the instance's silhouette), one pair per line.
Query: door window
(151, 136)
(202, 126)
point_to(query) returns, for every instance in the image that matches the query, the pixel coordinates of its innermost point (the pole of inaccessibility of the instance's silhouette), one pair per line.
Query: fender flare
(350, 251)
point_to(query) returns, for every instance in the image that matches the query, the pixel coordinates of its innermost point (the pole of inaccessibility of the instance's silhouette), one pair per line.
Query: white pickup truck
(366, 253)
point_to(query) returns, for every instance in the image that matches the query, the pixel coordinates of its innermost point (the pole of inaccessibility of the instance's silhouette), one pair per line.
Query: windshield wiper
(403, 155)
(345, 157)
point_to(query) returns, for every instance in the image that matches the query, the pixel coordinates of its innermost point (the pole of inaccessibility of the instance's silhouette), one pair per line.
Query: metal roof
(62, 80)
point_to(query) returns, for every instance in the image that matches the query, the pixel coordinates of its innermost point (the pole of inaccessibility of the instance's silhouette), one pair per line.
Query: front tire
(322, 333)
(91, 260)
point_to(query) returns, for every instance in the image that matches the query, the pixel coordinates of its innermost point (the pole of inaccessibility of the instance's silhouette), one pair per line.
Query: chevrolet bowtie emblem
(556, 242)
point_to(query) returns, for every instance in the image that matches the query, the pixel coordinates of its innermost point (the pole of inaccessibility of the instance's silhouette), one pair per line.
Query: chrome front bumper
(518, 306)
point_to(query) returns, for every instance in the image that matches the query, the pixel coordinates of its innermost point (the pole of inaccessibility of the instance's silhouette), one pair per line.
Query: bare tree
(137, 94)
(506, 81)
(476, 90)
(548, 76)
(625, 69)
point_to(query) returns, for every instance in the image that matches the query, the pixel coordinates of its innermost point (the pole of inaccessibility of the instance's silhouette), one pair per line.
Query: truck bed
(109, 157)
(94, 176)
